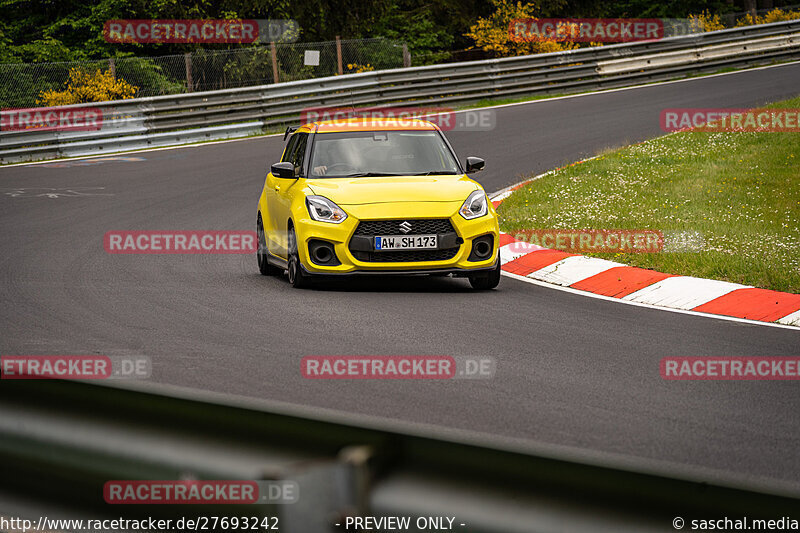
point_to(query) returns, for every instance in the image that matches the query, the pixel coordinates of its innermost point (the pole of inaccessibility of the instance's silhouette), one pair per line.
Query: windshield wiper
(444, 172)
(387, 174)
(366, 175)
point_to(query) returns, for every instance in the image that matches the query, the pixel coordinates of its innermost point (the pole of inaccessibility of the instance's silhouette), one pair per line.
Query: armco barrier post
(274, 62)
(187, 59)
(339, 55)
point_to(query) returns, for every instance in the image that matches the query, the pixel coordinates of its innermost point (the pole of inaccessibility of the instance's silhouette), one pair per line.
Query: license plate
(405, 242)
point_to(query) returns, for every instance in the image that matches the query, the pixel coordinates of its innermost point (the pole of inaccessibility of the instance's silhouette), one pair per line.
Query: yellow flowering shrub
(355, 67)
(491, 34)
(776, 15)
(83, 87)
(707, 21)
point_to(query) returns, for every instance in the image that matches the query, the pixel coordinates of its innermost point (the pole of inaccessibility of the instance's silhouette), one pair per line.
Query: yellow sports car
(375, 196)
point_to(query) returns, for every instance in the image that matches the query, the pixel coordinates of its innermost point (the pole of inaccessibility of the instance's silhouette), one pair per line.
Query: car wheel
(297, 277)
(264, 265)
(486, 280)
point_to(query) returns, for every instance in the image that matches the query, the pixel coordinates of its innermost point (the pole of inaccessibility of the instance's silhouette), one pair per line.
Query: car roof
(369, 124)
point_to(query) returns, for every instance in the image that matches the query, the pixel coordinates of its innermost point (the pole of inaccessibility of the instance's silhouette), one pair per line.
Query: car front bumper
(340, 236)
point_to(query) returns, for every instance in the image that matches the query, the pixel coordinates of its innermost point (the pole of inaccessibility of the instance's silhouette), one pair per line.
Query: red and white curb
(642, 286)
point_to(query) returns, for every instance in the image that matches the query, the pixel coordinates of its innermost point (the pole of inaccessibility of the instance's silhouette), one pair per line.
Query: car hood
(355, 191)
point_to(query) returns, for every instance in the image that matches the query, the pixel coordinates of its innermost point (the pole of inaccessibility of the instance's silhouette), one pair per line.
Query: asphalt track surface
(571, 370)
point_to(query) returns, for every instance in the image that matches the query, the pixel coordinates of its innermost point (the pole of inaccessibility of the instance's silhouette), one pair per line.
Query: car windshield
(381, 153)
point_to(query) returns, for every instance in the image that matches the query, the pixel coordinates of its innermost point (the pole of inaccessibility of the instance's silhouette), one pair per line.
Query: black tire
(297, 277)
(264, 266)
(486, 280)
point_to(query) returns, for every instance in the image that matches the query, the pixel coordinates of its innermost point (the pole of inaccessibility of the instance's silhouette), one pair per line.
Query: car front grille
(432, 226)
(406, 256)
(392, 227)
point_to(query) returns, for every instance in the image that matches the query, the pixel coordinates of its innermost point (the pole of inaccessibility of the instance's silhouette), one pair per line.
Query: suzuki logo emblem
(405, 227)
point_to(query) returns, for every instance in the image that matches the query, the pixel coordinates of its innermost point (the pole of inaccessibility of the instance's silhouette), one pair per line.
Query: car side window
(299, 153)
(287, 154)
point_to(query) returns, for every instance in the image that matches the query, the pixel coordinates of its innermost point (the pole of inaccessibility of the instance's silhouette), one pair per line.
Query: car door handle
(277, 187)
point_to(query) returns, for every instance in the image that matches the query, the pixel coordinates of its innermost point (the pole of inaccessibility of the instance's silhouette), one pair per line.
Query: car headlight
(475, 206)
(323, 210)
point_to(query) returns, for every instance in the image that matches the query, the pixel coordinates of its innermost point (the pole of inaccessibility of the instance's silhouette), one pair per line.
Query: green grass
(728, 203)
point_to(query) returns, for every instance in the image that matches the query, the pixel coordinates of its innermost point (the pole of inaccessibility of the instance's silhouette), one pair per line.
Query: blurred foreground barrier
(60, 442)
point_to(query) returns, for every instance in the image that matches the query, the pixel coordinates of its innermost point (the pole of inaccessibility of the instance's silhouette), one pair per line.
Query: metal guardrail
(770, 45)
(184, 118)
(61, 441)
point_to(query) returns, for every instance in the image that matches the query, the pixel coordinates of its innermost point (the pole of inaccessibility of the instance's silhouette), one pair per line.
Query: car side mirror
(283, 170)
(475, 164)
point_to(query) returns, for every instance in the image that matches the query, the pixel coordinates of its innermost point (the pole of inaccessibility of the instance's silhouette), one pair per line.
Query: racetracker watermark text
(585, 30)
(227, 31)
(75, 367)
(593, 240)
(52, 119)
(445, 118)
(730, 368)
(201, 492)
(397, 367)
(731, 120)
(180, 242)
